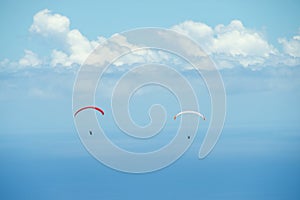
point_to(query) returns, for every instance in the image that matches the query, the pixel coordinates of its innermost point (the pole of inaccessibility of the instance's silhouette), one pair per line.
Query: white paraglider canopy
(190, 112)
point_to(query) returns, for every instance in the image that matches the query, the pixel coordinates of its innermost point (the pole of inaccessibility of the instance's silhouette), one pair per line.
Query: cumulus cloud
(236, 40)
(198, 31)
(229, 44)
(78, 47)
(47, 24)
(292, 46)
(30, 59)
(59, 58)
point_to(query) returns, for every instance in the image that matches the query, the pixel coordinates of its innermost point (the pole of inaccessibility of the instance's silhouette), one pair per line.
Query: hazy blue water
(258, 165)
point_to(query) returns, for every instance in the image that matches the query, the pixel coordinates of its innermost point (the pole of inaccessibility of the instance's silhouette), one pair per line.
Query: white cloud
(47, 24)
(30, 59)
(77, 46)
(200, 32)
(292, 46)
(229, 45)
(59, 58)
(236, 40)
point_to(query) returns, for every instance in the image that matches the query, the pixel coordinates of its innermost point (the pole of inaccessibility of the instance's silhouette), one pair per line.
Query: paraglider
(89, 107)
(190, 112)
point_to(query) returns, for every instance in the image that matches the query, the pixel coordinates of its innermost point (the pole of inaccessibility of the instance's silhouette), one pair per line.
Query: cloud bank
(230, 46)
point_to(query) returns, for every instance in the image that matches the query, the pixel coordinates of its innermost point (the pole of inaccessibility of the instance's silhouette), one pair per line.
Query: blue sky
(256, 47)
